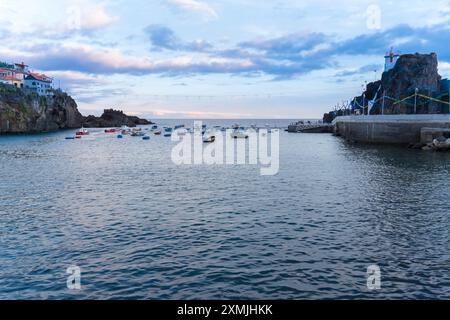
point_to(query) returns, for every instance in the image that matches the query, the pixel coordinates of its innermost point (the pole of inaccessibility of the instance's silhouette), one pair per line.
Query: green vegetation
(5, 88)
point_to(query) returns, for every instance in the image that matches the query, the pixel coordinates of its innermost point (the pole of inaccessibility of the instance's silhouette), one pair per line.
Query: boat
(77, 137)
(119, 136)
(110, 130)
(82, 132)
(239, 134)
(168, 132)
(209, 139)
(70, 138)
(145, 138)
(179, 126)
(157, 133)
(154, 127)
(137, 134)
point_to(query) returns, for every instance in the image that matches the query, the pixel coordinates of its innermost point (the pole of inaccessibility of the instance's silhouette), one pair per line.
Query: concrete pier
(392, 129)
(310, 128)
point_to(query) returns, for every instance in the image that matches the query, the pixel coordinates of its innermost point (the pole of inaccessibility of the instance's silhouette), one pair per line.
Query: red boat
(82, 132)
(158, 132)
(110, 131)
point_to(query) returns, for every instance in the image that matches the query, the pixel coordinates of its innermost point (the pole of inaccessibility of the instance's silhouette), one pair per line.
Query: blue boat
(146, 138)
(70, 138)
(154, 127)
(179, 126)
(119, 136)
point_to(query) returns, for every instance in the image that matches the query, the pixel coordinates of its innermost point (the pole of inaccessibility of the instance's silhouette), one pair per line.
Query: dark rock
(410, 72)
(113, 118)
(25, 112)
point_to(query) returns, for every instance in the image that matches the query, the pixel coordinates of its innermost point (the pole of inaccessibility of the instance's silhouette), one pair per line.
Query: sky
(201, 59)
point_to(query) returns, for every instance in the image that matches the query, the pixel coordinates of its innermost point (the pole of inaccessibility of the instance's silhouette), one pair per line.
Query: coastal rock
(113, 118)
(410, 72)
(27, 112)
(24, 112)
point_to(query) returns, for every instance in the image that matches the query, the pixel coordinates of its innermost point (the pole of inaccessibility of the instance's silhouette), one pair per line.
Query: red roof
(10, 78)
(40, 77)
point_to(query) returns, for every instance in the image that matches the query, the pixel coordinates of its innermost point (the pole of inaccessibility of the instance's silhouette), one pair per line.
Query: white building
(39, 83)
(390, 60)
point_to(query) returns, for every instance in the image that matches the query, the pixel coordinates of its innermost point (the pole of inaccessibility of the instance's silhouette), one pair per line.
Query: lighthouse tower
(390, 59)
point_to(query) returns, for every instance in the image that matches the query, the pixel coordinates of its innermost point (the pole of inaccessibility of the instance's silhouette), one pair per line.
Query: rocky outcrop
(26, 112)
(23, 112)
(411, 72)
(113, 118)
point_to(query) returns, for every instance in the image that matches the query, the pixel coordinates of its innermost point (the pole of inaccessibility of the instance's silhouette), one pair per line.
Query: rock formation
(410, 72)
(22, 112)
(26, 112)
(113, 118)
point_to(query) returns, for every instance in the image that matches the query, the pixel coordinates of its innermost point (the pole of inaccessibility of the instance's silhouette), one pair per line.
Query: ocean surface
(141, 227)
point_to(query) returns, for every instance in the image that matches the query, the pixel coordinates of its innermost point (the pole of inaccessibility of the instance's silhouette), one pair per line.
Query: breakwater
(390, 129)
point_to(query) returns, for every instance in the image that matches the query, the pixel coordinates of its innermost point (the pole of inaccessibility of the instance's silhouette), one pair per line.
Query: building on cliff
(19, 75)
(39, 83)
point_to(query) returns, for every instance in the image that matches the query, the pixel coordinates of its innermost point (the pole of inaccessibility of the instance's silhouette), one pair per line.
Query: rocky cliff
(26, 112)
(410, 72)
(22, 112)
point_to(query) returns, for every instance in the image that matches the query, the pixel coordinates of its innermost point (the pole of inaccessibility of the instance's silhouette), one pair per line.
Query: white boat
(82, 132)
(239, 134)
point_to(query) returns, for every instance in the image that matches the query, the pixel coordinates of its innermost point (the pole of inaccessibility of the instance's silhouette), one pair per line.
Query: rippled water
(141, 227)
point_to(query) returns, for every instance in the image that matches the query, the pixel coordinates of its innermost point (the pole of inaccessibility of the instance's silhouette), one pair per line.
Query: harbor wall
(390, 129)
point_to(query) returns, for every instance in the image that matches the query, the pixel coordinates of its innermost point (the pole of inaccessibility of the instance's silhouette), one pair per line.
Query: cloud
(282, 58)
(163, 37)
(362, 70)
(87, 16)
(403, 37)
(195, 6)
(291, 47)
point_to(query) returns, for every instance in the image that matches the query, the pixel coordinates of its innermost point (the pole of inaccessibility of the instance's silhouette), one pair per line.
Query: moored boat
(209, 139)
(82, 132)
(110, 130)
(239, 134)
